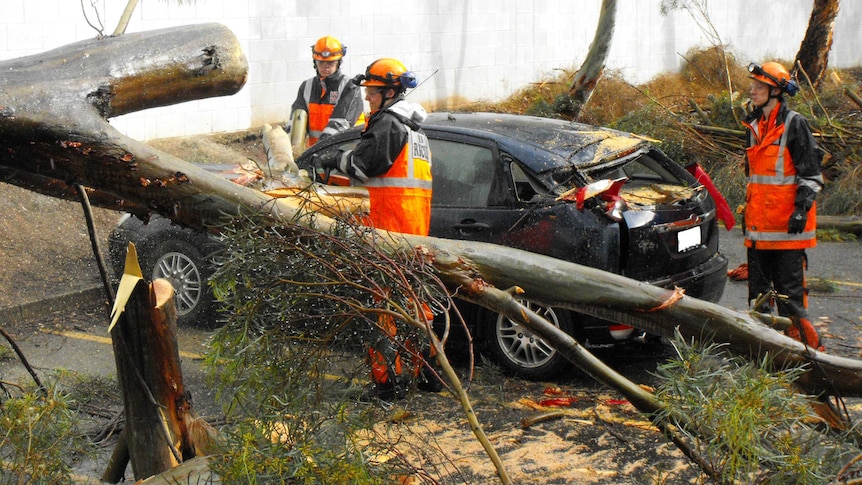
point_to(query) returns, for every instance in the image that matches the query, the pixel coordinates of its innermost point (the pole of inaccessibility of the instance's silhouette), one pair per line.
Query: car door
(475, 197)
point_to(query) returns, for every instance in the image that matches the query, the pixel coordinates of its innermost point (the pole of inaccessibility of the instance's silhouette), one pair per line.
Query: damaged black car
(580, 193)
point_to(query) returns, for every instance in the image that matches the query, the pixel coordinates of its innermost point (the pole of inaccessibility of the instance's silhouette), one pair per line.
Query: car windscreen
(643, 169)
(639, 169)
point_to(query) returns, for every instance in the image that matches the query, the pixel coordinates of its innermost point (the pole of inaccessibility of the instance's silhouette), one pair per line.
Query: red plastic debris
(560, 402)
(740, 273)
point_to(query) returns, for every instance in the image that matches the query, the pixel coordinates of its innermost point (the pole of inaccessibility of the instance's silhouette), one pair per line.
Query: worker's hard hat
(775, 75)
(387, 72)
(328, 49)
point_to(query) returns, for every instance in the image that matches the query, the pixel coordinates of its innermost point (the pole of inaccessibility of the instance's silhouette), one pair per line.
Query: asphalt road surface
(835, 297)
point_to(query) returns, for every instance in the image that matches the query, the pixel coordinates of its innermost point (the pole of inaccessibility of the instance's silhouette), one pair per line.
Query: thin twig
(94, 242)
(819, 103)
(24, 361)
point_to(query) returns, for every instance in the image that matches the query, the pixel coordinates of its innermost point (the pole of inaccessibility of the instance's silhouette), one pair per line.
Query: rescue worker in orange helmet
(332, 103)
(783, 168)
(393, 161)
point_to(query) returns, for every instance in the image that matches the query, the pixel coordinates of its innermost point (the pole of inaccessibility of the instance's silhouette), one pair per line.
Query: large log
(647, 307)
(54, 107)
(852, 224)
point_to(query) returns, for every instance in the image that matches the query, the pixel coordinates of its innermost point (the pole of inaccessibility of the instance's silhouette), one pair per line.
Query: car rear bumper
(705, 281)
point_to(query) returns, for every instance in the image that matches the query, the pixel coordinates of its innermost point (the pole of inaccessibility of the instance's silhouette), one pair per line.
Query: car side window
(463, 174)
(525, 189)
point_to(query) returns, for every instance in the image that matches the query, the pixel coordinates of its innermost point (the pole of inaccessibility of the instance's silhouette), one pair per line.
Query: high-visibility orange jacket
(333, 104)
(781, 158)
(393, 160)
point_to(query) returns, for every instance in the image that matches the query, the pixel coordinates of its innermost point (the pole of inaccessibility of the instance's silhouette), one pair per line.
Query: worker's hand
(329, 163)
(797, 221)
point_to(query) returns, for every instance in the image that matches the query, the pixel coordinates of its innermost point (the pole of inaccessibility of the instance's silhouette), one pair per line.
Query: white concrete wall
(473, 49)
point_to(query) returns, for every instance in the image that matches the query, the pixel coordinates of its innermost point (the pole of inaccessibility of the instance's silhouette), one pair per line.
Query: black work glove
(804, 198)
(797, 221)
(329, 163)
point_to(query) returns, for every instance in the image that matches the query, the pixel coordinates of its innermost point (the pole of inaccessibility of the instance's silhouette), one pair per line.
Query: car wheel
(185, 267)
(521, 352)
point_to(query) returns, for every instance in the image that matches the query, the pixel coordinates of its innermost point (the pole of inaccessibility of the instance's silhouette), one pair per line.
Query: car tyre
(181, 263)
(518, 350)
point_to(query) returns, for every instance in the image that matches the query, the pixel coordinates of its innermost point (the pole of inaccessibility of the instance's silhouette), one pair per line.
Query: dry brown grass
(666, 107)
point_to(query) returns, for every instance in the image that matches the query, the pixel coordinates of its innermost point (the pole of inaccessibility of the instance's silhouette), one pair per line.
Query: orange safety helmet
(775, 75)
(388, 73)
(328, 49)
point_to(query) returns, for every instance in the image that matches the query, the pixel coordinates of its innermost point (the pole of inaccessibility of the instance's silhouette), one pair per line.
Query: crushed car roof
(585, 146)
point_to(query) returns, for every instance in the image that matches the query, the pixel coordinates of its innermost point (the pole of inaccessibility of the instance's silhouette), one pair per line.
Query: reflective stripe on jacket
(771, 191)
(320, 111)
(400, 199)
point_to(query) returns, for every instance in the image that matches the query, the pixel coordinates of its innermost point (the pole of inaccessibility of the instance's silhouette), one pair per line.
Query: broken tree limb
(853, 96)
(54, 106)
(617, 298)
(24, 361)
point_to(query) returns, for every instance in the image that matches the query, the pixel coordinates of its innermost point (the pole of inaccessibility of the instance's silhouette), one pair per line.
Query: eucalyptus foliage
(752, 426)
(300, 309)
(40, 438)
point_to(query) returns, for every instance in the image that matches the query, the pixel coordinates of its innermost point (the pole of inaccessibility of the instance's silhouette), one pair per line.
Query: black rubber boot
(428, 382)
(378, 392)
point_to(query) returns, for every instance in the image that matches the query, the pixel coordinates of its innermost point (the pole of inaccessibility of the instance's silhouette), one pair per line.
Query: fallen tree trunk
(852, 224)
(70, 141)
(647, 307)
(54, 106)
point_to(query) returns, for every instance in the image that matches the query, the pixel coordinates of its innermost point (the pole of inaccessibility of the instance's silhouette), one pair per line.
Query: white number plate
(688, 239)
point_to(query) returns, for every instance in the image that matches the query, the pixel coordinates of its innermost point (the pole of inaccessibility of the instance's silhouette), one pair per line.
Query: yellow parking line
(106, 340)
(837, 282)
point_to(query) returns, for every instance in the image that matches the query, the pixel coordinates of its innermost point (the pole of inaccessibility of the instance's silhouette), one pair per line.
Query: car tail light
(620, 332)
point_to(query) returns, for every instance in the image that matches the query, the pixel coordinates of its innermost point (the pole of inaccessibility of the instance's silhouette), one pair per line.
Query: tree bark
(591, 70)
(54, 106)
(148, 368)
(813, 55)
